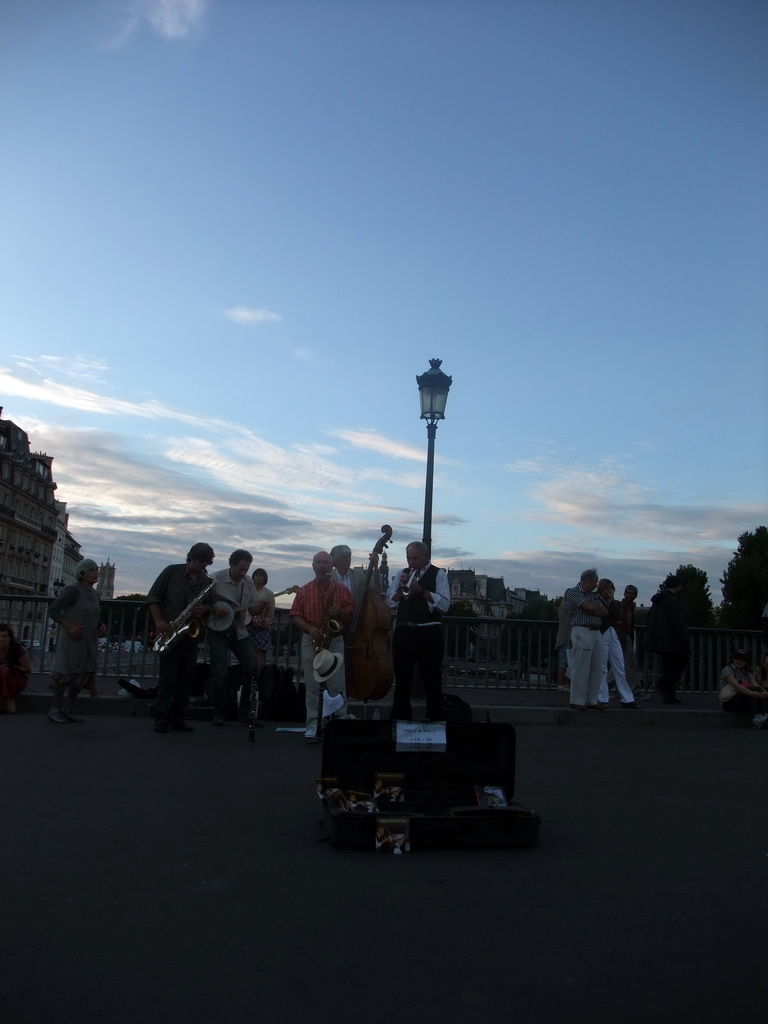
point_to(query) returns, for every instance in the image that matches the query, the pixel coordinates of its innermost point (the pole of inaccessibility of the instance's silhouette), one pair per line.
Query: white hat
(326, 664)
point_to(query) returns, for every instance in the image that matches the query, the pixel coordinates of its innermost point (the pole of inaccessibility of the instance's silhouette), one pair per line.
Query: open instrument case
(441, 804)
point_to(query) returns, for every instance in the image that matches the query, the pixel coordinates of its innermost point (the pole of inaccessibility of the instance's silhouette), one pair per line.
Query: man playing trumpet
(321, 610)
(420, 596)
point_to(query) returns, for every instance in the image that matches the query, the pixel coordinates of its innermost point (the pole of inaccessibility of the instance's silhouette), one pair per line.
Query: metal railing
(505, 654)
(520, 654)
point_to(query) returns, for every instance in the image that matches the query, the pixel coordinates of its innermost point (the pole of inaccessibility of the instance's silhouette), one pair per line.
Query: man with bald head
(587, 612)
(419, 596)
(315, 604)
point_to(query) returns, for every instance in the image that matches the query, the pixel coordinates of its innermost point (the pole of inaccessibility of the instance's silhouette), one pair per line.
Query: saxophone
(328, 627)
(185, 624)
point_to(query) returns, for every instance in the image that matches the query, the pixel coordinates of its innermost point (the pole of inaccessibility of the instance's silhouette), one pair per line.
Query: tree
(745, 582)
(540, 609)
(696, 597)
(462, 609)
(131, 597)
(460, 637)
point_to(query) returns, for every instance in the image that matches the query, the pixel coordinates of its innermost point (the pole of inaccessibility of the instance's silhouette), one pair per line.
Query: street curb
(618, 718)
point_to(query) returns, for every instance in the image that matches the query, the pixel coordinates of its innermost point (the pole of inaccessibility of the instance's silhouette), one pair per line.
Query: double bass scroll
(369, 670)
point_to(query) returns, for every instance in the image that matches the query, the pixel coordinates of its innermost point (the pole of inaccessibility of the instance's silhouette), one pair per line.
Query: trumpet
(405, 588)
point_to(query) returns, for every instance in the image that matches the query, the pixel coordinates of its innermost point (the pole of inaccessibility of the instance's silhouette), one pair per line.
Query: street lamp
(433, 393)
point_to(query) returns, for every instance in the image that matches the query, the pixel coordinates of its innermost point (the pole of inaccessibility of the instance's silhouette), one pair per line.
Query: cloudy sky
(234, 232)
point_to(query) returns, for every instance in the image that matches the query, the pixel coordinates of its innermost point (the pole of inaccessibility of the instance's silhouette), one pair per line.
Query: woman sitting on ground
(15, 668)
(740, 691)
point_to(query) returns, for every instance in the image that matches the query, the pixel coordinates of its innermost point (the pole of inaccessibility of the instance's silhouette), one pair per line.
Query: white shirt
(440, 600)
(242, 594)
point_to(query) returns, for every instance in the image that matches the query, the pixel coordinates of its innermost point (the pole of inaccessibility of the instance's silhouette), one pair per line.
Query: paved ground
(518, 707)
(179, 878)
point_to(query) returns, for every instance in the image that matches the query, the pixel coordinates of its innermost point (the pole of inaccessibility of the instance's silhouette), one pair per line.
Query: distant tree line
(744, 584)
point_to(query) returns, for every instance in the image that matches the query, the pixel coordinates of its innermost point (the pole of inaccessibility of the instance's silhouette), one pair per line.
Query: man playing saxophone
(321, 609)
(172, 592)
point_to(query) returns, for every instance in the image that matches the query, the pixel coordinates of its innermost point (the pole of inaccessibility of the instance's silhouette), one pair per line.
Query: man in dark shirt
(627, 637)
(173, 591)
(667, 635)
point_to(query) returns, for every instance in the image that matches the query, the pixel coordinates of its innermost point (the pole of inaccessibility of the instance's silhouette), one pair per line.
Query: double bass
(367, 655)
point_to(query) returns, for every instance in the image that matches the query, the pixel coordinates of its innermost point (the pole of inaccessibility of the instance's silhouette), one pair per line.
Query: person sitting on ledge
(740, 691)
(15, 668)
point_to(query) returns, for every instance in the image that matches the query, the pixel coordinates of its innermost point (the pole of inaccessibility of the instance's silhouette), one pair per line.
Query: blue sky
(234, 232)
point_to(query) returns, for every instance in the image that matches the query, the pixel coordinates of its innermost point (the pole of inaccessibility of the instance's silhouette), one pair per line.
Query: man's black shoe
(181, 727)
(161, 727)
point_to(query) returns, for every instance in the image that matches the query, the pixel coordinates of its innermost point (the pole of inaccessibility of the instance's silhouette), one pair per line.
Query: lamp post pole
(433, 394)
(431, 435)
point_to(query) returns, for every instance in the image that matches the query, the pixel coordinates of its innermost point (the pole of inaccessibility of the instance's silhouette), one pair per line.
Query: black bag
(455, 709)
(280, 700)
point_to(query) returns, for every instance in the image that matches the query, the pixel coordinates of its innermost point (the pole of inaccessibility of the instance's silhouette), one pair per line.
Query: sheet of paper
(419, 736)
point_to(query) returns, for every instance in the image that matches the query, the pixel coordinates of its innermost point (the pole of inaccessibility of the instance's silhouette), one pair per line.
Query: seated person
(15, 668)
(740, 691)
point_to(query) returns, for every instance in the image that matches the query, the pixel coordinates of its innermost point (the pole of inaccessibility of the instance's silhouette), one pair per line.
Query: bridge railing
(505, 654)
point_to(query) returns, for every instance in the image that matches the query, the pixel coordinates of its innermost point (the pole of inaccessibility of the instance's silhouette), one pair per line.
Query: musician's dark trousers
(177, 667)
(420, 646)
(220, 648)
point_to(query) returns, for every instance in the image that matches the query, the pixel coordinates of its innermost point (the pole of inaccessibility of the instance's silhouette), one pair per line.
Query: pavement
(489, 704)
(181, 878)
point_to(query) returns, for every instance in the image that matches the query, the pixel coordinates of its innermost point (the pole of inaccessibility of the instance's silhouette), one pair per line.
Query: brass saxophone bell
(195, 628)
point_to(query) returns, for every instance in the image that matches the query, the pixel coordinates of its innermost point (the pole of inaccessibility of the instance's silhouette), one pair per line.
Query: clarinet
(253, 709)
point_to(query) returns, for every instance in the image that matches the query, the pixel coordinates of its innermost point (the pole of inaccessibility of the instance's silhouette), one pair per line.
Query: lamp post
(433, 393)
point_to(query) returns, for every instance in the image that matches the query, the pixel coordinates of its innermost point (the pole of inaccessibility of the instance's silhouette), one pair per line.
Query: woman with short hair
(77, 613)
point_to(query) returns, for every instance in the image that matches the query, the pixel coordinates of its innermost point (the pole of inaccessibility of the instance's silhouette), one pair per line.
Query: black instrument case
(440, 805)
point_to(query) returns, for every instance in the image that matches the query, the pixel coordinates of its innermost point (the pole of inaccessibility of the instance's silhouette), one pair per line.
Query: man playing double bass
(353, 579)
(420, 596)
(317, 604)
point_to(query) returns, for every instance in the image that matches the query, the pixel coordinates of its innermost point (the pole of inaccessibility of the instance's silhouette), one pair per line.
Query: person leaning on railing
(741, 692)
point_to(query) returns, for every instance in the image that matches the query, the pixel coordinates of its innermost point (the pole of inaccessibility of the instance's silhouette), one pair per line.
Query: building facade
(28, 515)
(487, 595)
